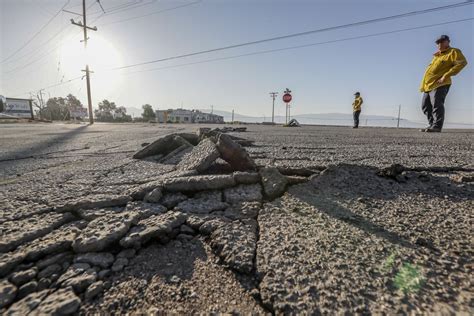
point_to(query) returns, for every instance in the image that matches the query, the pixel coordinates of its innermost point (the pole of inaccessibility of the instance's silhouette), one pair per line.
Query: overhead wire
(151, 13)
(299, 46)
(36, 34)
(331, 28)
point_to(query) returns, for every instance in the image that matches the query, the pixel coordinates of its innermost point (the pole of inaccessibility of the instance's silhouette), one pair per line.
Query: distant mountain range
(340, 119)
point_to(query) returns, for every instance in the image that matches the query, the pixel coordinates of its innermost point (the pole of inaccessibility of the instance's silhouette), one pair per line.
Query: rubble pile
(51, 262)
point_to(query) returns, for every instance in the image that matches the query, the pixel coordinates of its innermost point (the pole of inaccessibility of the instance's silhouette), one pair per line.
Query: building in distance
(187, 116)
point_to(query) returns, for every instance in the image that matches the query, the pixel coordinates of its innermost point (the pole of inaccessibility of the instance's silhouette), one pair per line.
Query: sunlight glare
(101, 56)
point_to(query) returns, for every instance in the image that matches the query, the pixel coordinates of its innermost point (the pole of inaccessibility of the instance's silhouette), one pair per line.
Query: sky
(386, 69)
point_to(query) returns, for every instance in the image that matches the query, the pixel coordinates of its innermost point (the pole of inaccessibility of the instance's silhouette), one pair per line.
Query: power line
(37, 33)
(300, 46)
(281, 49)
(51, 86)
(131, 6)
(392, 17)
(152, 13)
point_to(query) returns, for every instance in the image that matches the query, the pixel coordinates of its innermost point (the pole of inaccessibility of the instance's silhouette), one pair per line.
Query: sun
(100, 55)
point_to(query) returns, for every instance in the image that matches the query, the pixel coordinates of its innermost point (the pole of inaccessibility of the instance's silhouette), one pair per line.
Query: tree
(105, 113)
(110, 112)
(148, 112)
(74, 106)
(56, 109)
(120, 115)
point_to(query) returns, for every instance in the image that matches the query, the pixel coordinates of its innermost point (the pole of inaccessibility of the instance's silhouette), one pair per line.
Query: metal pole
(398, 121)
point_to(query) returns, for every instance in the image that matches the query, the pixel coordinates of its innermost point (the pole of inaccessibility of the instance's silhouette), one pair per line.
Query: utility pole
(88, 80)
(399, 109)
(273, 95)
(232, 116)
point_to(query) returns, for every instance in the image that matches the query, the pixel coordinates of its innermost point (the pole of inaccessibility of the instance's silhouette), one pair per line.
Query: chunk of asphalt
(163, 146)
(201, 157)
(234, 154)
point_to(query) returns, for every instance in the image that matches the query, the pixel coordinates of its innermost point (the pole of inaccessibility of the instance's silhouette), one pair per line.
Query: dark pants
(356, 118)
(433, 106)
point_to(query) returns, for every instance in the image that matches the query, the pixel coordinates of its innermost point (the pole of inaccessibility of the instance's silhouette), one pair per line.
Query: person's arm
(459, 62)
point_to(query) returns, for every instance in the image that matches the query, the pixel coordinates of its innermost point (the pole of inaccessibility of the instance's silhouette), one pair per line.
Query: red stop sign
(287, 98)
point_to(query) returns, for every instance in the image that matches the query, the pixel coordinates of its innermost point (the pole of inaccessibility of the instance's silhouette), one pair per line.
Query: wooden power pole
(273, 95)
(88, 80)
(399, 109)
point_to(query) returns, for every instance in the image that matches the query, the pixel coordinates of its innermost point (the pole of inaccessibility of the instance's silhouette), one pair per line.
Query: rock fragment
(59, 240)
(119, 264)
(104, 231)
(145, 210)
(292, 180)
(74, 270)
(7, 293)
(81, 282)
(211, 225)
(201, 157)
(22, 277)
(234, 154)
(242, 177)
(274, 183)
(243, 210)
(26, 289)
(9, 260)
(49, 271)
(93, 290)
(94, 201)
(61, 302)
(243, 193)
(19, 232)
(154, 196)
(101, 259)
(139, 192)
(59, 258)
(170, 200)
(199, 183)
(156, 226)
(26, 305)
(201, 206)
(127, 253)
(235, 243)
(161, 146)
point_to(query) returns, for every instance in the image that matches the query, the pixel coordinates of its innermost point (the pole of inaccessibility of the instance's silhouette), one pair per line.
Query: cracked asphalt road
(335, 243)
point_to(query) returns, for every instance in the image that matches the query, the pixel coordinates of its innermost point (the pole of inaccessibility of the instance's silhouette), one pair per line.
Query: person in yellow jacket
(357, 107)
(446, 62)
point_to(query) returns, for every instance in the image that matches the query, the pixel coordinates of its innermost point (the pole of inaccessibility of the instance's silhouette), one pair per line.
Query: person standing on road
(357, 107)
(446, 62)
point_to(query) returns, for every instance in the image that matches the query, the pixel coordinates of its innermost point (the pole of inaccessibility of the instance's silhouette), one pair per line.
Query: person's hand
(441, 80)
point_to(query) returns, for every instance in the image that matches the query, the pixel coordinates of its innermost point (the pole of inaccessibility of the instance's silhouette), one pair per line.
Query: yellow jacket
(357, 104)
(446, 63)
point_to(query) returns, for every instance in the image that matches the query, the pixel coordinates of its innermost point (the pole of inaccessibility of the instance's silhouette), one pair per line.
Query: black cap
(357, 93)
(442, 38)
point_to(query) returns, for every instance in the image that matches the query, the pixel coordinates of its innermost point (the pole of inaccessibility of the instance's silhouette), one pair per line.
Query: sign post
(287, 99)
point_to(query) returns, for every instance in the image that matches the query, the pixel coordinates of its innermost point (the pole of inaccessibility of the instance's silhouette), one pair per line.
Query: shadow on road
(39, 148)
(330, 207)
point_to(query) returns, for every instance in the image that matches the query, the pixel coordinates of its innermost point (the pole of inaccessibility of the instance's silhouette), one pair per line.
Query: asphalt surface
(347, 240)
